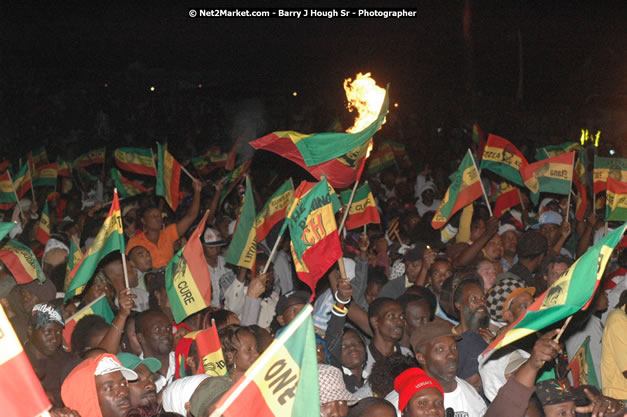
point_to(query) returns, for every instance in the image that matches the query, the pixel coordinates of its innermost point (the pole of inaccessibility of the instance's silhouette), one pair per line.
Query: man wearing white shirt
(212, 243)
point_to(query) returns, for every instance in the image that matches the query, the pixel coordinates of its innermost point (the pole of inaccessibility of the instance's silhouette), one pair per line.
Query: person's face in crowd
(115, 272)
(157, 337)
(47, 339)
(494, 248)
(474, 307)
(152, 219)
(113, 394)
(427, 197)
(223, 228)
(566, 409)
(477, 229)
(416, 314)
(99, 288)
(555, 271)
(141, 258)
(246, 351)
(68, 310)
(131, 343)
(337, 408)
(143, 391)
(29, 300)
(440, 358)
(551, 232)
(379, 410)
(487, 271)
(353, 350)
(440, 271)
(211, 252)
(289, 314)
(390, 322)
(130, 223)
(412, 269)
(517, 306)
(372, 291)
(381, 245)
(54, 257)
(510, 240)
(428, 402)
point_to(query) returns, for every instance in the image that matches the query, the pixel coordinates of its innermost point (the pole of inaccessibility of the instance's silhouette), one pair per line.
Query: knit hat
(331, 384)
(412, 381)
(501, 294)
(208, 394)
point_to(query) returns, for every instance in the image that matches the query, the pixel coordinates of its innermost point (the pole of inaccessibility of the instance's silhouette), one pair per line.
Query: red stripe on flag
(250, 399)
(21, 394)
(319, 259)
(370, 215)
(506, 201)
(264, 229)
(136, 168)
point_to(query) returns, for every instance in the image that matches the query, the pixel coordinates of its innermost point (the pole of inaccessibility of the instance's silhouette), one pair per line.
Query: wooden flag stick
(348, 208)
(274, 249)
(187, 172)
(561, 332)
(365, 230)
(32, 185)
(115, 195)
(481, 183)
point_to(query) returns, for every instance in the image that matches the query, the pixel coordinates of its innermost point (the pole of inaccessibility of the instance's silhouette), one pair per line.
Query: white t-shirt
(465, 400)
(216, 273)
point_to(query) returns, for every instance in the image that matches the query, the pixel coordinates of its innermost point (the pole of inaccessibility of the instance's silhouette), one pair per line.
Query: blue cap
(548, 217)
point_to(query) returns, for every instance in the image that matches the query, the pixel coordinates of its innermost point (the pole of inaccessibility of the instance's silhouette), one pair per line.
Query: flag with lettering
(573, 291)
(168, 177)
(110, 238)
(210, 352)
(46, 175)
(187, 277)
(616, 201)
(21, 393)
(275, 210)
(137, 160)
(22, 181)
(100, 307)
(555, 150)
(242, 250)
(43, 232)
(283, 381)
(363, 209)
(233, 178)
(21, 261)
(315, 242)
(94, 157)
(582, 366)
(551, 175)
(608, 167)
(503, 158)
(464, 189)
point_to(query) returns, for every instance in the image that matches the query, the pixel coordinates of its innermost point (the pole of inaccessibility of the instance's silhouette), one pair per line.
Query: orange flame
(364, 95)
(370, 146)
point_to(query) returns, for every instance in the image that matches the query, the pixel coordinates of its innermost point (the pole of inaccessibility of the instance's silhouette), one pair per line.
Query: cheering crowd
(414, 319)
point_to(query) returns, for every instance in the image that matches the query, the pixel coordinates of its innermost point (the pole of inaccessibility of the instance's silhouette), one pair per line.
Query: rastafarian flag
(552, 175)
(243, 248)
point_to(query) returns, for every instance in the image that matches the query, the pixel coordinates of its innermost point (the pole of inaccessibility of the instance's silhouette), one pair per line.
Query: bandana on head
(44, 314)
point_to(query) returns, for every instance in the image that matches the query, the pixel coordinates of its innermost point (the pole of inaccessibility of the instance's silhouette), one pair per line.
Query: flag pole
(274, 249)
(115, 197)
(187, 172)
(263, 360)
(16, 197)
(559, 334)
(32, 185)
(481, 183)
(348, 207)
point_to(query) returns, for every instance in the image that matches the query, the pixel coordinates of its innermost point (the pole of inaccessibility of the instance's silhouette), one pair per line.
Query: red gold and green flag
(5, 165)
(7, 193)
(464, 189)
(22, 181)
(73, 259)
(363, 209)
(210, 352)
(100, 307)
(202, 165)
(503, 158)
(97, 156)
(137, 160)
(39, 157)
(552, 175)
(382, 158)
(110, 238)
(242, 250)
(555, 150)
(508, 197)
(283, 381)
(582, 366)
(21, 261)
(215, 156)
(187, 277)
(43, 232)
(5, 228)
(168, 177)
(315, 241)
(400, 154)
(616, 201)
(126, 187)
(21, 393)
(608, 167)
(65, 168)
(46, 175)
(572, 292)
(275, 210)
(233, 178)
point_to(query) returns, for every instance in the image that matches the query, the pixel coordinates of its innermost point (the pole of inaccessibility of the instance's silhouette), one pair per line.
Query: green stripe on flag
(243, 248)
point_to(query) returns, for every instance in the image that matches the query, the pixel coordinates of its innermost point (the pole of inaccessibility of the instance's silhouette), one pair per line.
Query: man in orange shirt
(160, 241)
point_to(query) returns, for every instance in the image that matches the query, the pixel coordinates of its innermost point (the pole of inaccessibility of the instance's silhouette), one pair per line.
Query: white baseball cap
(109, 365)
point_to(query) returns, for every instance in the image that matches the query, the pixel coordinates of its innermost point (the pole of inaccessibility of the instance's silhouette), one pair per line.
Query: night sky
(570, 51)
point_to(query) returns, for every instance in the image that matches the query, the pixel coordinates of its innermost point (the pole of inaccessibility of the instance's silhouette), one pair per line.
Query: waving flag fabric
(555, 150)
(363, 209)
(43, 232)
(275, 210)
(97, 156)
(552, 175)
(100, 307)
(137, 160)
(611, 167)
(508, 196)
(7, 194)
(210, 352)
(168, 177)
(126, 187)
(503, 158)
(616, 201)
(242, 250)
(22, 181)
(233, 178)
(21, 261)
(46, 175)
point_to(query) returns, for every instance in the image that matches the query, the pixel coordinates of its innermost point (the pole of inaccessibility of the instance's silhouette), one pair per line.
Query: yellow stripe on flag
(277, 382)
(294, 136)
(495, 154)
(186, 290)
(320, 224)
(248, 256)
